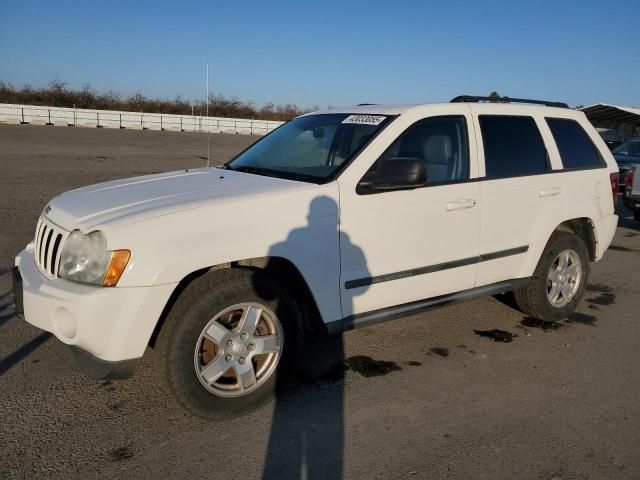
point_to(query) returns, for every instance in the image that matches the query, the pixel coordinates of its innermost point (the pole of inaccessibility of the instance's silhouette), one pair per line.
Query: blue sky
(329, 53)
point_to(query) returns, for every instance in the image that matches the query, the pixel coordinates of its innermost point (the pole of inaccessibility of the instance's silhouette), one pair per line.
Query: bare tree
(59, 94)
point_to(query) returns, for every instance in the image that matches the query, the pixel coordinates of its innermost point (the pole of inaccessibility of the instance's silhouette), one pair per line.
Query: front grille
(49, 238)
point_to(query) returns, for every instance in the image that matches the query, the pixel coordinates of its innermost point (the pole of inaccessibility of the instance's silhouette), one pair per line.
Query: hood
(122, 202)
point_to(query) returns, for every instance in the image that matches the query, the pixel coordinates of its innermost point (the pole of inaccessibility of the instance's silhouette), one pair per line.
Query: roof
(602, 115)
(378, 109)
(371, 108)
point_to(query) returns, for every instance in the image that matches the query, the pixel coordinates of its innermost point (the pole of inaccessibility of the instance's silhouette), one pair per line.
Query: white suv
(336, 220)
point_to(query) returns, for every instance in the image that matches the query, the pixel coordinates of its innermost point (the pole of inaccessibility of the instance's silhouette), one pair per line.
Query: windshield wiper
(267, 172)
(254, 170)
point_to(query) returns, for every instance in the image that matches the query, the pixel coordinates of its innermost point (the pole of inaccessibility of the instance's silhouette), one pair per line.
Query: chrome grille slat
(42, 235)
(46, 249)
(37, 239)
(49, 240)
(55, 255)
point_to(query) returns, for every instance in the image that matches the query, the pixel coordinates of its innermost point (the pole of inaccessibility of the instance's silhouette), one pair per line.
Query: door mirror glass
(395, 173)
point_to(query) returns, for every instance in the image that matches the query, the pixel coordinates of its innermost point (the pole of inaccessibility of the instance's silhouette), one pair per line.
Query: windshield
(311, 148)
(630, 148)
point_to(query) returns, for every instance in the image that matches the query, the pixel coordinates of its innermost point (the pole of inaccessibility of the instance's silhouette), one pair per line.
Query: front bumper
(98, 369)
(107, 328)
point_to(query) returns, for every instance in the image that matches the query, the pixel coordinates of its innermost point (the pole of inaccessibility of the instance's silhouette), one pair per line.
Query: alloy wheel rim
(238, 350)
(563, 278)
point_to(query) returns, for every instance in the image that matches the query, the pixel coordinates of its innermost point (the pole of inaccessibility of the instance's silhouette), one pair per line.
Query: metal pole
(208, 160)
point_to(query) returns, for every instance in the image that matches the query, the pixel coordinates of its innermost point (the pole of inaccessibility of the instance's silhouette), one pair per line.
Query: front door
(407, 245)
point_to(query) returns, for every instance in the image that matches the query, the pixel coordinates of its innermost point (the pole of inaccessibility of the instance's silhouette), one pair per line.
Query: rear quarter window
(513, 146)
(575, 147)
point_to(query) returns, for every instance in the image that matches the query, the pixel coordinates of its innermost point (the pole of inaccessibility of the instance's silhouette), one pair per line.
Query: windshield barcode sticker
(364, 119)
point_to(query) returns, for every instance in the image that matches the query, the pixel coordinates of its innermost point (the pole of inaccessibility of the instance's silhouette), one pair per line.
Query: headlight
(85, 259)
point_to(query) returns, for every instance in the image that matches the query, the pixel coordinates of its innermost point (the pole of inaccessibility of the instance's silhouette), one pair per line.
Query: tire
(183, 350)
(533, 298)
(636, 215)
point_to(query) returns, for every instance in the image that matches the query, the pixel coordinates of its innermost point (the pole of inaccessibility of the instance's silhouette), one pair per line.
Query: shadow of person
(306, 439)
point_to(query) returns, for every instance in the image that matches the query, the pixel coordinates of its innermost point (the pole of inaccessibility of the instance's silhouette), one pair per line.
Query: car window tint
(575, 147)
(440, 142)
(512, 146)
(630, 148)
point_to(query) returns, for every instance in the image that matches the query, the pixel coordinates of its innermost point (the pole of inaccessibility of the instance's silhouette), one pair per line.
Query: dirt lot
(422, 397)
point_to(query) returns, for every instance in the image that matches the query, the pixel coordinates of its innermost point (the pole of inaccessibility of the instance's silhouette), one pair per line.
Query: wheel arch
(279, 268)
(585, 229)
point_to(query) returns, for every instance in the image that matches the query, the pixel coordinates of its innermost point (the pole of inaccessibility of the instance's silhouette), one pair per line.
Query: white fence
(77, 117)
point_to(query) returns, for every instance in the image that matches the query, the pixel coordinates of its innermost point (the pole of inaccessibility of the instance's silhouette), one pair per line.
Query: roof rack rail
(366, 104)
(475, 99)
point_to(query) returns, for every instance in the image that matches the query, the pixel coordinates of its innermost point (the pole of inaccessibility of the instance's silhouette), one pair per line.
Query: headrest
(437, 149)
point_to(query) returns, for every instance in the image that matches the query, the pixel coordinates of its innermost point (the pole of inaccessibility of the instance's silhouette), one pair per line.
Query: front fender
(300, 226)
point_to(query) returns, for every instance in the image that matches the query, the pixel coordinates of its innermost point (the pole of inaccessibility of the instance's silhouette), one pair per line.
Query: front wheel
(230, 336)
(559, 280)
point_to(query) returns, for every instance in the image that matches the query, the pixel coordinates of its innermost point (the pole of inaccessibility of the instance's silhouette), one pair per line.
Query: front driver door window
(441, 143)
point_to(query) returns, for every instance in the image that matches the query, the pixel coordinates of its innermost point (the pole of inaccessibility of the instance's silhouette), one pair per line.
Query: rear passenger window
(513, 146)
(574, 145)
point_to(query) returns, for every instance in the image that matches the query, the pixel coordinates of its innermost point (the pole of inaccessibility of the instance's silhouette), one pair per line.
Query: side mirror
(396, 173)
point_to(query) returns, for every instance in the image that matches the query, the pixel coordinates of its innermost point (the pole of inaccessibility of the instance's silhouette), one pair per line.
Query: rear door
(522, 199)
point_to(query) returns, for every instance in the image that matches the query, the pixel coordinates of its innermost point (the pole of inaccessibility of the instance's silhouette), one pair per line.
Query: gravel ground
(422, 397)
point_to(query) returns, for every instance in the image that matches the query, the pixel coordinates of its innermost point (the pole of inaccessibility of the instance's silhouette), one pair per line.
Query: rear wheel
(231, 336)
(559, 280)
(636, 215)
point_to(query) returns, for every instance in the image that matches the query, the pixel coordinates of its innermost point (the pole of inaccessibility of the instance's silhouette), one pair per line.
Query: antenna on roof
(476, 99)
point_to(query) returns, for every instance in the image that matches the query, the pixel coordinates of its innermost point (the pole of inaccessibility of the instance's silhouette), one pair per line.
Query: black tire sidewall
(205, 303)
